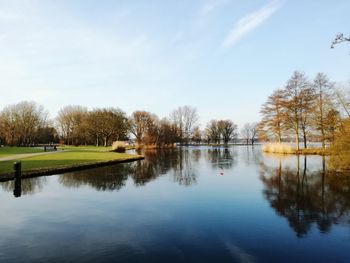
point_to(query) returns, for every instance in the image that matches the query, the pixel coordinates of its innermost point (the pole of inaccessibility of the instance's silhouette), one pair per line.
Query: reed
(119, 146)
(278, 148)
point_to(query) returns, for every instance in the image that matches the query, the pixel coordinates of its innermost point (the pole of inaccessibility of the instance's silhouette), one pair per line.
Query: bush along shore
(70, 159)
(284, 148)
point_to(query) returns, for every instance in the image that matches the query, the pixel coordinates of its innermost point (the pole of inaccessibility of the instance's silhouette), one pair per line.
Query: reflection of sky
(216, 219)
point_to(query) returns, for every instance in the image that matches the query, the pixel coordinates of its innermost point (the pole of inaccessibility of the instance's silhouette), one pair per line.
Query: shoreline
(67, 168)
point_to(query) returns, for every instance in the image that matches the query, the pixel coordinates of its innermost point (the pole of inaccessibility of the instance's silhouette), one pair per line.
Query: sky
(224, 57)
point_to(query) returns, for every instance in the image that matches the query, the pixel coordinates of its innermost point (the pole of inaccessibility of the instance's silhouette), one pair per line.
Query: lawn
(8, 151)
(90, 148)
(85, 148)
(67, 157)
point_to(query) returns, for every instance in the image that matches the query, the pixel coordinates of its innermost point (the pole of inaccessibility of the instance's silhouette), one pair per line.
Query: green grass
(86, 148)
(70, 156)
(8, 151)
(90, 148)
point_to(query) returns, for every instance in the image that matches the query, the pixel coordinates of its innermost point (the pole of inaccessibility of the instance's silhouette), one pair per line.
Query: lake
(194, 204)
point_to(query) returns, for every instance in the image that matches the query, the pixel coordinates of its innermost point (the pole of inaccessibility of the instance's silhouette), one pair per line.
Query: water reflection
(108, 178)
(252, 155)
(28, 186)
(185, 172)
(155, 164)
(223, 158)
(181, 164)
(307, 197)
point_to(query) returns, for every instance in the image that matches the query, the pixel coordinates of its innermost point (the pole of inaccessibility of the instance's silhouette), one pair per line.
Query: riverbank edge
(68, 168)
(308, 151)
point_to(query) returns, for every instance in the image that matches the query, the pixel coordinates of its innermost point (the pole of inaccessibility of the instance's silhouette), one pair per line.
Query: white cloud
(249, 22)
(210, 6)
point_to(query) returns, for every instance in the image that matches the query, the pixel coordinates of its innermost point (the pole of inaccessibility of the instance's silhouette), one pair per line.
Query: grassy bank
(8, 151)
(90, 148)
(69, 157)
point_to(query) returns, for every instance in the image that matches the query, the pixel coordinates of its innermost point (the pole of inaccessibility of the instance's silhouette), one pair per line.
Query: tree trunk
(305, 138)
(297, 138)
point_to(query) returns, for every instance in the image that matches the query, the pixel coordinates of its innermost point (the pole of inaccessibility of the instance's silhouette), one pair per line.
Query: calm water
(189, 205)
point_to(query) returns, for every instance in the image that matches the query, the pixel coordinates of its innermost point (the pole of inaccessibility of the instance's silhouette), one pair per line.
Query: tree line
(304, 109)
(27, 124)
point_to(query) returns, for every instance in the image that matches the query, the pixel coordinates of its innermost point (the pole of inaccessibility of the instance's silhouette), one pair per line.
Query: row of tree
(27, 124)
(307, 109)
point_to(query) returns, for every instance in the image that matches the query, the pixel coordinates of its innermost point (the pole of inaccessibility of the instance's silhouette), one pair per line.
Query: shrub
(340, 149)
(119, 146)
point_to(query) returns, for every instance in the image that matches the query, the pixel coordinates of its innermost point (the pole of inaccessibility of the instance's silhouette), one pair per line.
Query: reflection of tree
(306, 198)
(156, 163)
(179, 163)
(196, 154)
(223, 158)
(26, 186)
(107, 178)
(159, 162)
(252, 155)
(184, 172)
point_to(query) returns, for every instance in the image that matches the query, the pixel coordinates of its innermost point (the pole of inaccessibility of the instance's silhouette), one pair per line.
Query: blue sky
(223, 57)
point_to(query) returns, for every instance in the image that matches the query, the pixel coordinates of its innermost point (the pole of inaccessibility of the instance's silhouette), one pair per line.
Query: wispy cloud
(249, 22)
(210, 6)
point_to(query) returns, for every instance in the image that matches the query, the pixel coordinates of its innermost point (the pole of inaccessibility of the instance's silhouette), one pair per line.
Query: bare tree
(167, 133)
(185, 118)
(339, 38)
(323, 104)
(212, 132)
(307, 107)
(294, 102)
(253, 132)
(140, 123)
(228, 130)
(70, 119)
(20, 122)
(246, 132)
(342, 95)
(272, 115)
(197, 135)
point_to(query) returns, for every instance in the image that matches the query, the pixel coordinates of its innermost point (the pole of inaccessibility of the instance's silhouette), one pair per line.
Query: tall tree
(323, 104)
(185, 118)
(69, 119)
(272, 115)
(294, 103)
(197, 135)
(307, 107)
(20, 122)
(228, 130)
(140, 123)
(212, 132)
(342, 96)
(246, 132)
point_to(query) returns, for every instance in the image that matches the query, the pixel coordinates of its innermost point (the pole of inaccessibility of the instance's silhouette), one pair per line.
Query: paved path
(24, 155)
